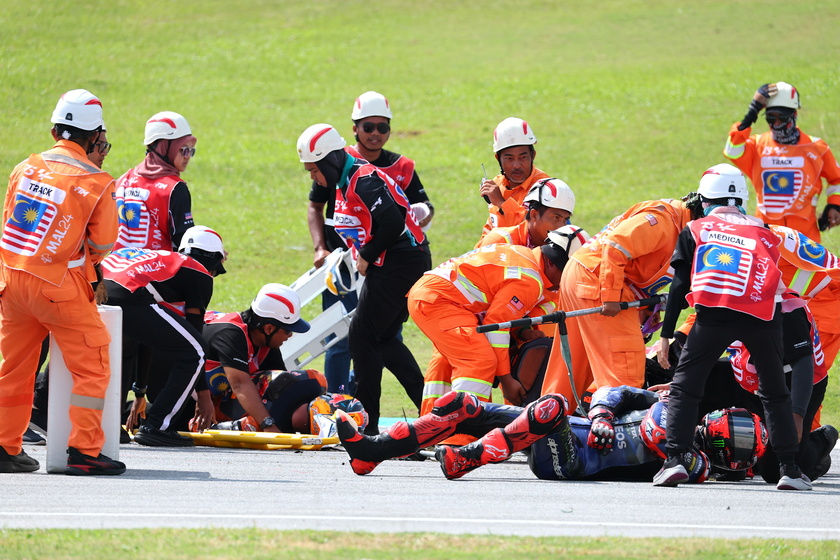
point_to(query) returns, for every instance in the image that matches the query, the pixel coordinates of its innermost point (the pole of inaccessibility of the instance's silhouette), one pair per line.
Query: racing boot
(455, 462)
(403, 438)
(538, 419)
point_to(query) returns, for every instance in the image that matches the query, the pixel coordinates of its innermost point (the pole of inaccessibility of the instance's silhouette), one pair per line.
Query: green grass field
(630, 100)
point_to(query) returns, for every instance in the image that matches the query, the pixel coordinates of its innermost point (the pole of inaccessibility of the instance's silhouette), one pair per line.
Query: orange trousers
(463, 359)
(609, 351)
(31, 308)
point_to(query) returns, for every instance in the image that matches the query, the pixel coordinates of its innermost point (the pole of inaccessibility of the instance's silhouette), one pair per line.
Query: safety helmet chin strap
(358, 141)
(154, 149)
(268, 337)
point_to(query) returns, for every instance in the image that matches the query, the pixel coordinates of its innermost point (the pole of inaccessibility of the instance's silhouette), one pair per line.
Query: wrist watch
(267, 422)
(138, 391)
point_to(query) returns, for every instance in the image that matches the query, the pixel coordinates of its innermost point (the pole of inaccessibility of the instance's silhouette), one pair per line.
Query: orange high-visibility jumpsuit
(519, 235)
(513, 235)
(787, 178)
(627, 260)
(59, 219)
(511, 212)
(492, 284)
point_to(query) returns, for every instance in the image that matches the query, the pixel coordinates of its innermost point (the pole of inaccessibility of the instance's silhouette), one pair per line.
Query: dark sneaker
(673, 472)
(31, 437)
(792, 478)
(354, 444)
(453, 463)
(146, 435)
(79, 464)
(822, 467)
(124, 437)
(826, 438)
(17, 463)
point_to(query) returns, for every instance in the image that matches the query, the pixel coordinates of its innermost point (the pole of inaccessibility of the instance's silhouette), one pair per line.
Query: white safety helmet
(201, 237)
(785, 96)
(206, 246)
(570, 238)
(512, 132)
(553, 193)
(282, 304)
(370, 104)
(165, 125)
(78, 108)
(723, 181)
(317, 142)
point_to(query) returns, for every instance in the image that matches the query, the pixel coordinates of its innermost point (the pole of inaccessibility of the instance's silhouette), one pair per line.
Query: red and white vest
(401, 171)
(735, 266)
(255, 356)
(353, 221)
(143, 208)
(134, 268)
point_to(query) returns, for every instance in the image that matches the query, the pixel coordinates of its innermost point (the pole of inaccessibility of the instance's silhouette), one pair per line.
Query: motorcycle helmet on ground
(322, 411)
(733, 438)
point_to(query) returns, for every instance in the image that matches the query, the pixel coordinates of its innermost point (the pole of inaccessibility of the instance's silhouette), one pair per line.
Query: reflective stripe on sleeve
(618, 247)
(498, 339)
(477, 387)
(733, 151)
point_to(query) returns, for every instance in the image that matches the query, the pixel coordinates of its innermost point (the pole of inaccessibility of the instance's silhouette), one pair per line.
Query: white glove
(420, 211)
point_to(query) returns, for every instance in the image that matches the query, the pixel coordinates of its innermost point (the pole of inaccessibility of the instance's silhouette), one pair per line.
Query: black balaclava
(332, 166)
(784, 132)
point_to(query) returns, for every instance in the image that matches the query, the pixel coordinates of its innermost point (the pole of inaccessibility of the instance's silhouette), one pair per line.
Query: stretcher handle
(560, 316)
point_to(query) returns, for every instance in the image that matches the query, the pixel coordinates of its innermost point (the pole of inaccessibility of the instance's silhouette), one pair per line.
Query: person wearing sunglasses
(100, 149)
(371, 115)
(372, 128)
(785, 164)
(373, 216)
(513, 144)
(787, 168)
(154, 203)
(59, 223)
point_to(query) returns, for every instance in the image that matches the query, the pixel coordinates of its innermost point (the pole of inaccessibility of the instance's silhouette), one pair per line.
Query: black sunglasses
(103, 147)
(187, 152)
(383, 128)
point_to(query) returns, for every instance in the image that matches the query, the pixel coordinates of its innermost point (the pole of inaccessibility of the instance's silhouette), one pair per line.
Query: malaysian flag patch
(26, 228)
(515, 305)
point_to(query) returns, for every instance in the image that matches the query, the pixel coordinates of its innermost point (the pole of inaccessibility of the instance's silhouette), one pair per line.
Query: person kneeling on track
(243, 344)
(150, 287)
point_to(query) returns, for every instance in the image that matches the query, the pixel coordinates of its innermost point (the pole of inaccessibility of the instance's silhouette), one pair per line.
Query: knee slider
(546, 413)
(457, 405)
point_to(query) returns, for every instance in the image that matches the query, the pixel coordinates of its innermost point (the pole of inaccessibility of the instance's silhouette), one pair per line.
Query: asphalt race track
(194, 487)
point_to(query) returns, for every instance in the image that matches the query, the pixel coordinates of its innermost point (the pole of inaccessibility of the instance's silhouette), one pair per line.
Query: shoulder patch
(651, 218)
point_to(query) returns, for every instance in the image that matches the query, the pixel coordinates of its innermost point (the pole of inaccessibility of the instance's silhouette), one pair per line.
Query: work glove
(602, 431)
(759, 102)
